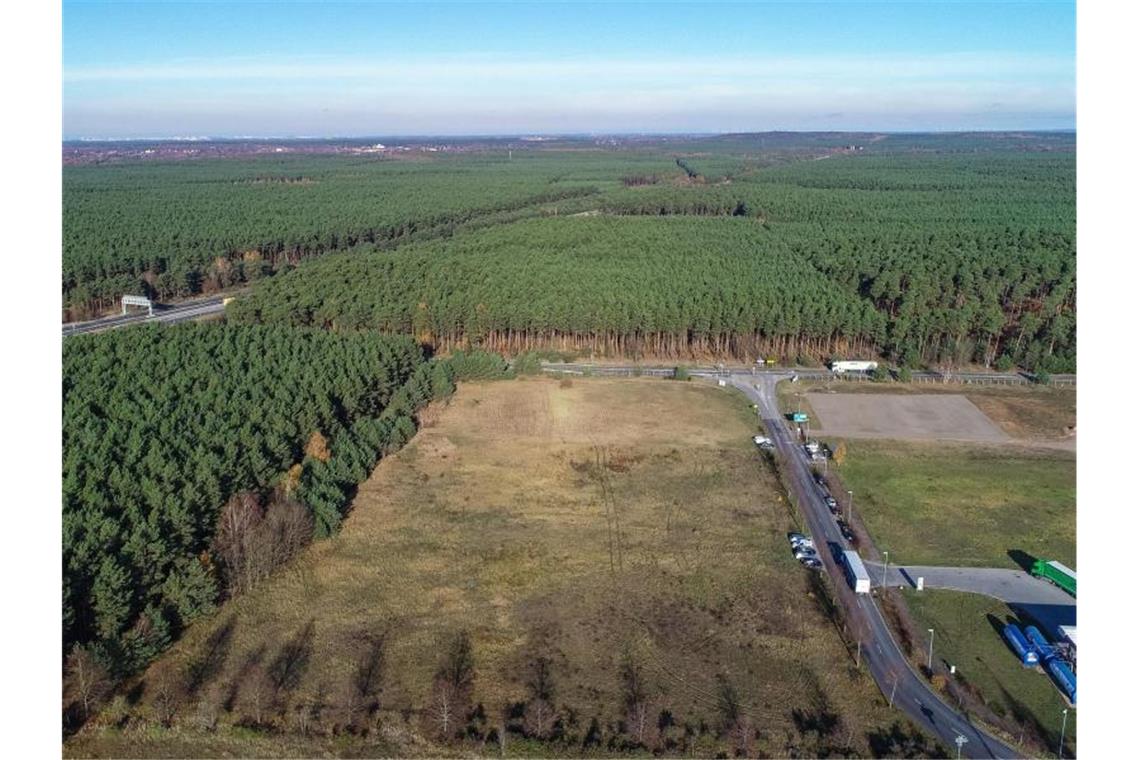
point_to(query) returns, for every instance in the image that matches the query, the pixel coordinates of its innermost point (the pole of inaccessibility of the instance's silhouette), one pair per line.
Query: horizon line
(524, 135)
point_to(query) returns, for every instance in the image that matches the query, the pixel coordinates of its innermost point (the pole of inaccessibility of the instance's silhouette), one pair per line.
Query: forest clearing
(613, 555)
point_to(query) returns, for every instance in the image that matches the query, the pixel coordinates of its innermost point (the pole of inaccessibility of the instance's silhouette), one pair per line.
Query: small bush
(904, 375)
(1004, 363)
(478, 365)
(681, 373)
(529, 363)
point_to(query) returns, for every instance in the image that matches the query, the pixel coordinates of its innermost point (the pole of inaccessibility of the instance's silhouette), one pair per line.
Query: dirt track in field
(935, 417)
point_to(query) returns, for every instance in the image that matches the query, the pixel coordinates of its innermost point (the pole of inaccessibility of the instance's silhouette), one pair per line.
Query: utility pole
(930, 654)
(1064, 720)
(886, 564)
(850, 498)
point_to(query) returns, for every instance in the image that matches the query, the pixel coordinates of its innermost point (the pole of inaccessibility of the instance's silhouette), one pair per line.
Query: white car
(805, 552)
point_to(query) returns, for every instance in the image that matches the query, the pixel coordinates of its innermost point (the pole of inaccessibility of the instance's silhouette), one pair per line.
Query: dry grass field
(614, 551)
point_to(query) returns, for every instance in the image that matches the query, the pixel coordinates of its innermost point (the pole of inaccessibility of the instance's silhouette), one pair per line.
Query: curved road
(878, 649)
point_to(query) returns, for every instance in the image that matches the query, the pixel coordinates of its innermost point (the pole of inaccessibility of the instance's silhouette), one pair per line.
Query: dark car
(811, 562)
(845, 529)
(819, 481)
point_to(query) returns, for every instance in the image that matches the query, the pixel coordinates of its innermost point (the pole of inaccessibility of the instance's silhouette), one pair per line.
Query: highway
(166, 315)
(878, 649)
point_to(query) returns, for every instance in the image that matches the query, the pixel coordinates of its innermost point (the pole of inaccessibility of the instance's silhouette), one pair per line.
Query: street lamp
(886, 563)
(1064, 720)
(960, 741)
(850, 498)
(930, 654)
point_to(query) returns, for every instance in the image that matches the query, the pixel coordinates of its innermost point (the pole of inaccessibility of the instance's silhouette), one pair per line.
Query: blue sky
(383, 68)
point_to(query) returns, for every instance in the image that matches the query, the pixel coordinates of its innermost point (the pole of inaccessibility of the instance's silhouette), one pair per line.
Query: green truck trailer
(1055, 572)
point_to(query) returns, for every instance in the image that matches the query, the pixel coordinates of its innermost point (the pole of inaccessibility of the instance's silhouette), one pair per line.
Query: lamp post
(930, 653)
(960, 741)
(850, 498)
(886, 563)
(1064, 720)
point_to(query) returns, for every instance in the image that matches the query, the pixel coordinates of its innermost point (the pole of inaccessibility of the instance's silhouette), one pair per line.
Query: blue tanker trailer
(1045, 650)
(1020, 645)
(1065, 678)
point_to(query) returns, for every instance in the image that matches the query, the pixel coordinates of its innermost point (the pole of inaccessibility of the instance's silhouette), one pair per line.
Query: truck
(853, 366)
(856, 573)
(1020, 645)
(1056, 573)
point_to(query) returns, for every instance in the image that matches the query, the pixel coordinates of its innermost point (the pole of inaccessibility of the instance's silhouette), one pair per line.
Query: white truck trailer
(856, 573)
(853, 366)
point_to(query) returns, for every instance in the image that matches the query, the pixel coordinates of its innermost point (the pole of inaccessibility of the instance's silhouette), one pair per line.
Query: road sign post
(960, 741)
(1064, 720)
(930, 653)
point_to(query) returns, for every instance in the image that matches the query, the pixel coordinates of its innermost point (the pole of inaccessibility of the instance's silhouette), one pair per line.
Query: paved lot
(917, 417)
(1047, 604)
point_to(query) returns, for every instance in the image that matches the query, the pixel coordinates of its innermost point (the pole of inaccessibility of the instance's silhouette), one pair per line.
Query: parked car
(802, 552)
(819, 481)
(811, 562)
(845, 529)
(832, 504)
(795, 538)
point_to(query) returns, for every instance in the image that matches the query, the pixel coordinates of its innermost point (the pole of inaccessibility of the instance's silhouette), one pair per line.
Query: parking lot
(912, 417)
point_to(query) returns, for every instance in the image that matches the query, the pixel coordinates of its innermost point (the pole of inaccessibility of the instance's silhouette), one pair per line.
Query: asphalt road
(982, 378)
(878, 649)
(169, 314)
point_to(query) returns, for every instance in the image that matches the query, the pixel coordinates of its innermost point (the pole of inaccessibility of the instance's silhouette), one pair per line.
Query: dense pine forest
(176, 230)
(615, 285)
(199, 457)
(926, 259)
